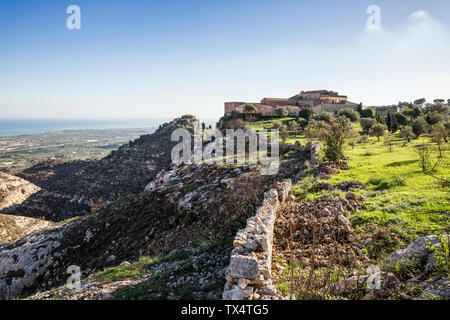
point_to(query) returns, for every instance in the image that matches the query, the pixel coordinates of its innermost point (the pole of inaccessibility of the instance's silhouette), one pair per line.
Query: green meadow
(400, 197)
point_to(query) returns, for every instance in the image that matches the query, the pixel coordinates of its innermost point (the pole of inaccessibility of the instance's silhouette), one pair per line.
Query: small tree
(438, 136)
(389, 141)
(282, 112)
(389, 121)
(277, 125)
(316, 129)
(419, 126)
(367, 124)
(306, 113)
(378, 130)
(352, 138)
(335, 138)
(284, 134)
(433, 118)
(401, 119)
(394, 126)
(425, 154)
(447, 131)
(367, 113)
(420, 102)
(293, 126)
(406, 133)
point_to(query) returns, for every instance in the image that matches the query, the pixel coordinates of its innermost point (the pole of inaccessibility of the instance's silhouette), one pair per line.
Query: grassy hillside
(401, 198)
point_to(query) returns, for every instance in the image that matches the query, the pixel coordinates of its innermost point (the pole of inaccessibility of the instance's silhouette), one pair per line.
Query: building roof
(273, 100)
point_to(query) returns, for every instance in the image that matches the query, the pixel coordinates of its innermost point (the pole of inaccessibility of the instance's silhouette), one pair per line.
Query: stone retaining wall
(249, 273)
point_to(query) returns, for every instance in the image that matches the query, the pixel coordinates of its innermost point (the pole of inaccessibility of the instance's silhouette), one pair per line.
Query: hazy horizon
(163, 59)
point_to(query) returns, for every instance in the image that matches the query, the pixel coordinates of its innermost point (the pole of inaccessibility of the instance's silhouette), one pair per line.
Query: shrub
(387, 183)
(441, 257)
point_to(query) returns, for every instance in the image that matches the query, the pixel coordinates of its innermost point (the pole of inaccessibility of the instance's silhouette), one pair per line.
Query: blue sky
(142, 59)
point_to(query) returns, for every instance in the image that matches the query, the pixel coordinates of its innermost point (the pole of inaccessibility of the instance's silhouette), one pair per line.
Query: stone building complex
(319, 100)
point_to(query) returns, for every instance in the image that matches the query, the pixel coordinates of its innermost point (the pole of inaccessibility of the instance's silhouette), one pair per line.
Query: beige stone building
(319, 100)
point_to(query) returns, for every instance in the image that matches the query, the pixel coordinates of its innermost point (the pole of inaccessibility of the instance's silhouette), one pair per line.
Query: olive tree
(378, 130)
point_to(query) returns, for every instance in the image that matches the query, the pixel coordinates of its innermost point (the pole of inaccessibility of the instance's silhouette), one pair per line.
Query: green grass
(125, 272)
(400, 196)
(268, 124)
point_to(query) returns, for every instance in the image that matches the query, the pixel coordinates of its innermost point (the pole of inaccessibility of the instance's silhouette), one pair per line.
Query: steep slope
(14, 190)
(13, 228)
(207, 203)
(74, 188)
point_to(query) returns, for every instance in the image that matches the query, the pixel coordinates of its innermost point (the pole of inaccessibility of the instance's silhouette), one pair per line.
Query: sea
(32, 126)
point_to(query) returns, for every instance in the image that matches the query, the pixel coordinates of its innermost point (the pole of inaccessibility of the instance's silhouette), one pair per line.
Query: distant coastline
(10, 127)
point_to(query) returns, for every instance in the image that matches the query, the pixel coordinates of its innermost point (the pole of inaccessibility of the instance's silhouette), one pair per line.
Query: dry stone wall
(249, 273)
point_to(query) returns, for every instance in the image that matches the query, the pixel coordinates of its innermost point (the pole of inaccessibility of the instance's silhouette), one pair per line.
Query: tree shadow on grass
(401, 163)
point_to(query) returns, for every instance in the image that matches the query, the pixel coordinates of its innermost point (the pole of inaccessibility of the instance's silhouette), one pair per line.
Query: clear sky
(165, 58)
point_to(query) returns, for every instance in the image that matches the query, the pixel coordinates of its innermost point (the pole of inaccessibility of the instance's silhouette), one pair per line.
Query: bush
(442, 257)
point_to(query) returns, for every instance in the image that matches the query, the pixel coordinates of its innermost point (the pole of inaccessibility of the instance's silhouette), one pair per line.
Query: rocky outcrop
(249, 272)
(13, 228)
(389, 286)
(14, 190)
(203, 202)
(25, 262)
(419, 249)
(432, 286)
